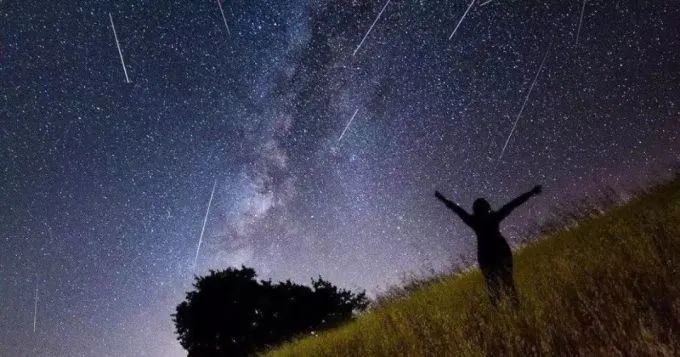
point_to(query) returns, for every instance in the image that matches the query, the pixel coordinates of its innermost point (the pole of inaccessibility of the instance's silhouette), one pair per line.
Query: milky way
(104, 184)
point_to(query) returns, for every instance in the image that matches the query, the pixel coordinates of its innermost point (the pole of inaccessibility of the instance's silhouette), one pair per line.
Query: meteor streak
(205, 220)
(348, 124)
(461, 19)
(580, 21)
(371, 28)
(219, 3)
(35, 305)
(127, 79)
(525, 100)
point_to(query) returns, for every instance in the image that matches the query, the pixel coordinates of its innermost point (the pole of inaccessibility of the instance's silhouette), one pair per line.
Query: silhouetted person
(493, 252)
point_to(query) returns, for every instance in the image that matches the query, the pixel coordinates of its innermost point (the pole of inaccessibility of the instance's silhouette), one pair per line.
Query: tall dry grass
(608, 286)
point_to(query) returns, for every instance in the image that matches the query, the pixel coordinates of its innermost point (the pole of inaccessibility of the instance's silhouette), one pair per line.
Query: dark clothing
(492, 249)
(494, 256)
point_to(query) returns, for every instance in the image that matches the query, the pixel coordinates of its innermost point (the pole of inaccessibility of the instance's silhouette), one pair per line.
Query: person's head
(481, 207)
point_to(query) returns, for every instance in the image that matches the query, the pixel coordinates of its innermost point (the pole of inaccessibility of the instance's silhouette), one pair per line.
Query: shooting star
(127, 79)
(348, 124)
(35, 305)
(219, 3)
(485, 3)
(580, 21)
(205, 220)
(371, 28)
(462, 18)
(526, 99)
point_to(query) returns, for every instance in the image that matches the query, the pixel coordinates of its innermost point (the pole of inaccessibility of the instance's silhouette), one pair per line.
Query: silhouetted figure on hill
(493, 252)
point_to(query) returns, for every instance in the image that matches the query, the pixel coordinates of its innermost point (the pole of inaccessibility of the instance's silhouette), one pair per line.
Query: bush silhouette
(230, 313)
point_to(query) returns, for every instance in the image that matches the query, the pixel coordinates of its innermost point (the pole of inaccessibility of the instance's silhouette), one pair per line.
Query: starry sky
(104, 184)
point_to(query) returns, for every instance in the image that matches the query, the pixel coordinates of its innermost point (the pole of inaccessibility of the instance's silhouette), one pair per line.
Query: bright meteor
(526, 99)
(219, 4)
(462, 18)
(348, 124)
(205, 220)
(113, 27)
(371, 28)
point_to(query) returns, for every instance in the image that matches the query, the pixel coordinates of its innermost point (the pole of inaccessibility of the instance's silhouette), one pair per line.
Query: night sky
(104, 184)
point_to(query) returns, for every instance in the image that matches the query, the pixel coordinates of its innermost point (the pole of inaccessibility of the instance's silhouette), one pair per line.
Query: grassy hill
(609, 286)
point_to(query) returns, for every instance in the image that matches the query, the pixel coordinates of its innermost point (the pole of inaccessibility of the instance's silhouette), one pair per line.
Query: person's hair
(481, 206)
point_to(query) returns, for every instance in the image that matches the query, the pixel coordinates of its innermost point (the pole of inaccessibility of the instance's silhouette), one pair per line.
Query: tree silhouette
(230, 313)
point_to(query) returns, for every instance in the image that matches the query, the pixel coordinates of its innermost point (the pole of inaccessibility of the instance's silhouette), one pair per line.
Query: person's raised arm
(454, 207)
(510, 206)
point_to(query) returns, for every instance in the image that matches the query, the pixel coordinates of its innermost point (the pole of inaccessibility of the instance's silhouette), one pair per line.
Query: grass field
(609, 286)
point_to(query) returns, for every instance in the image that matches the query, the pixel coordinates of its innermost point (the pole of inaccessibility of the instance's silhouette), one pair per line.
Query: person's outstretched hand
(537, 190)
